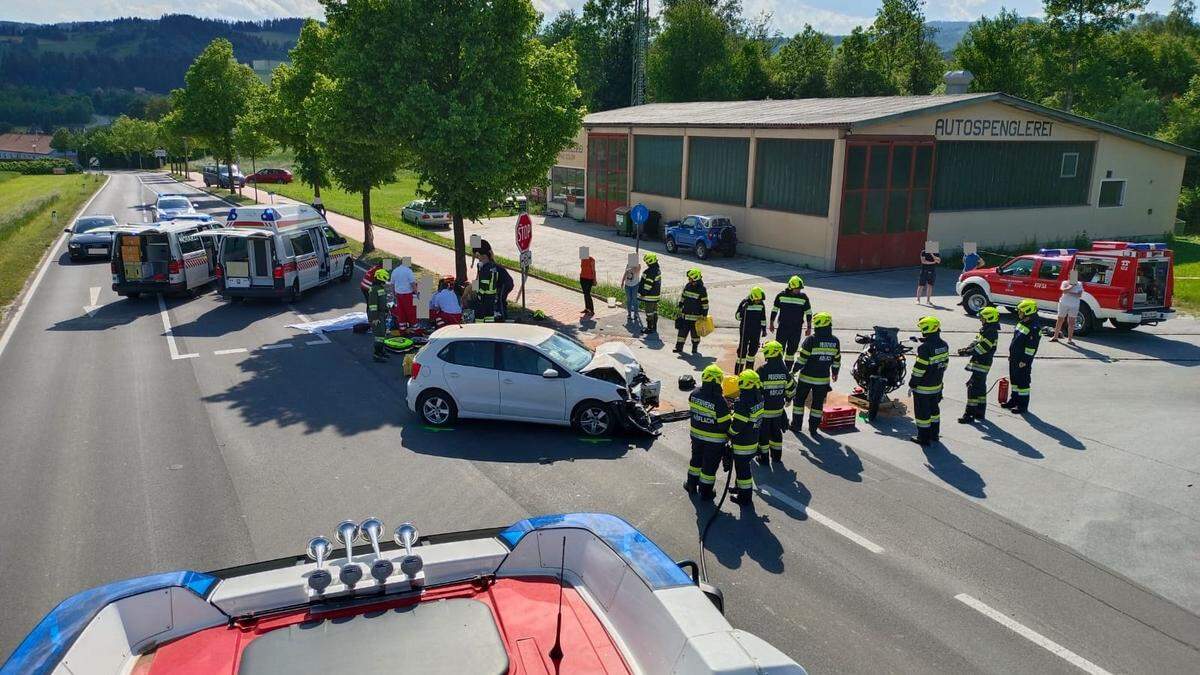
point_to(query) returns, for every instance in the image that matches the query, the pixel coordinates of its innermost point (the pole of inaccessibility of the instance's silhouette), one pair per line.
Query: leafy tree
(798, 70)
(904, 47)
(1134, 107)
(604, 40)
(251, 136)
(853, 70)
(129, 137)
(1183, 127)
(690, 60)
(1000, 52)
(561, 29)
(1182, 18)
(1075, 27)
(728, 11)
(291, 87)
(749, 73)
(218, 90)
(64, 140)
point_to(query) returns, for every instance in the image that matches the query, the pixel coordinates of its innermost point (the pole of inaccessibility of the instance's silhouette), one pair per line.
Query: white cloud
(957, 10)
(790, 17)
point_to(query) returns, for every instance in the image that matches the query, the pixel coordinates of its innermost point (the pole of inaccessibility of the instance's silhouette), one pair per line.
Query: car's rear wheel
(669, 243)
(973, 300)
(593, 418)
(701, 250)
(1085, 321)
(436, 408)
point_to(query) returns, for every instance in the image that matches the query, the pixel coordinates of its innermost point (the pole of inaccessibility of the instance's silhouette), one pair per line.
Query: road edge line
(22, 302)
(1031, 635)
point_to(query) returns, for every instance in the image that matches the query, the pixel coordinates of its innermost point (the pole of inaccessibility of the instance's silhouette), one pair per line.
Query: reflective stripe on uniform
(808, 379)
(707, 479)
(708, 436)
(700, 407)
(1030, 351)
(928, 390)
(745, 449)
(1022, 328)
(978, 367)
(826, 350)
(746, 484)
(693, 470)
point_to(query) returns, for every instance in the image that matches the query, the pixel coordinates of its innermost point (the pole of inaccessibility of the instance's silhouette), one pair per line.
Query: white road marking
(823, 520)
(51, 255)
(1032, 635)
(162, 311)
(282, 346)
(236, 350)
(93, 298)
(321, 339)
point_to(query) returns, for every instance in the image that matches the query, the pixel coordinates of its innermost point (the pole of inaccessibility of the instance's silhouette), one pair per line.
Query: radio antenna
(556, 652)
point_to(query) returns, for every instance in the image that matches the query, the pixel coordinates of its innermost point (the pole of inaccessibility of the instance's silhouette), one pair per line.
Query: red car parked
(270, 176)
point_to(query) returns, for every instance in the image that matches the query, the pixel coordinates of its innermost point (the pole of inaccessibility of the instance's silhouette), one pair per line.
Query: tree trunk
(229, 170)
(317, 190)
(254, 170)
(368, 231)
(460, 246)
(187, 174)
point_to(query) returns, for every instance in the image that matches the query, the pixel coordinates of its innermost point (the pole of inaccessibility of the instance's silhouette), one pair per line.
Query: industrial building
(863, 183)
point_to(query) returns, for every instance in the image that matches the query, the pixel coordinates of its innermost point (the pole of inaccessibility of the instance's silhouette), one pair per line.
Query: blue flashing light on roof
(268, 215)
(651, 563)
(232, 215)
(1058, 251)
(1146, 246)
(46, 645)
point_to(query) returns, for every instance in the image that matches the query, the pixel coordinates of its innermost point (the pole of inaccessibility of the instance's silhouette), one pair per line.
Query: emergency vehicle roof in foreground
(852, 114)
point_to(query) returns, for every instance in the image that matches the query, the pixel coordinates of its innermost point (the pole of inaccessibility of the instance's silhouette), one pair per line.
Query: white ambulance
(168, 257)
(279, 252)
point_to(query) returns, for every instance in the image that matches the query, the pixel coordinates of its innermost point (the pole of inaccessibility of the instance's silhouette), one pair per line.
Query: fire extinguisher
(1002, 390)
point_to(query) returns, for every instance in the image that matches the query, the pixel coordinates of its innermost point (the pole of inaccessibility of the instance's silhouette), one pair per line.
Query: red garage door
(885, 202)
(607, 176)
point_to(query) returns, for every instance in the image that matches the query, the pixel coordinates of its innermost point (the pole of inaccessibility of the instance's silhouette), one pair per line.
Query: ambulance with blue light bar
(279, 252)
(1129, 284)
(566, 594)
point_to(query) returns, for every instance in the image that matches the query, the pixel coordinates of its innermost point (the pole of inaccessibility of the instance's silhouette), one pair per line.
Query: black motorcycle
(881, 367)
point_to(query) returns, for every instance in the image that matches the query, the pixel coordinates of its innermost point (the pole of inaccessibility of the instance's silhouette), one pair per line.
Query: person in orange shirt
(587, 279)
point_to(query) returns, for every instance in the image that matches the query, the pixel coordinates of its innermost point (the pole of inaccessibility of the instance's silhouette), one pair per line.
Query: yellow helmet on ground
(748, 379)
(989, 314)
(382, 275)
(929, 325)
(650, 258)
(694, 274)
(757, 293)
(712, 373)
(795, 282)
(772, 349)
(822, 320)
(1027, 307)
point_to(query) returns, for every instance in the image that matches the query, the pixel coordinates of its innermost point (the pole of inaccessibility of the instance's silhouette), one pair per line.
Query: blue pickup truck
(703, 234)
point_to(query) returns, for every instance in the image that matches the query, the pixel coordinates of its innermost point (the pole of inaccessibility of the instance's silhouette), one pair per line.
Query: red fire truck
(1129, 284)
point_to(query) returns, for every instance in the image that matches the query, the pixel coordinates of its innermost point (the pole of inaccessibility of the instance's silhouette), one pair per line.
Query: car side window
(1018, 268)
(1049, 270)
(301, 243)
(471, 353)
(189, 243)
(332, 237)
(690, 221)
(523, 360)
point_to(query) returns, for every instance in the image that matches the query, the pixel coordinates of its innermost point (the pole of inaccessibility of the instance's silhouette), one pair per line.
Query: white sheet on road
(343, 322)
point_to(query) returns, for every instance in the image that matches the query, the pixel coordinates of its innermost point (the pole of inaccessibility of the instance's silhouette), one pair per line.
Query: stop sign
(524, 232)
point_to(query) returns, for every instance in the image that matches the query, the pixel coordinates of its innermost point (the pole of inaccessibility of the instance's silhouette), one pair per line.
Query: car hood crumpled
(618, 358)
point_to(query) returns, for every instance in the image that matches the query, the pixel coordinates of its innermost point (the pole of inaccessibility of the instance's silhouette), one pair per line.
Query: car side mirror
(549, 373)
(67, 230)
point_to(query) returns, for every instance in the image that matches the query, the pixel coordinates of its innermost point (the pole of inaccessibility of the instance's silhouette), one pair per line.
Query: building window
(886, 187)
(793, 175)
(1112, 193)
(974, 175)
(657, 164)
(566, 185)
(717, 169)
(1070, 165)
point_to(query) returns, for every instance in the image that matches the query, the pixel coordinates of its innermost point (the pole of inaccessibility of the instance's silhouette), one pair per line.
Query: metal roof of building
(848, 113)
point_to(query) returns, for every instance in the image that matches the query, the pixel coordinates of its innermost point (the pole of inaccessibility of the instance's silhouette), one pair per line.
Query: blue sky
(834, 16)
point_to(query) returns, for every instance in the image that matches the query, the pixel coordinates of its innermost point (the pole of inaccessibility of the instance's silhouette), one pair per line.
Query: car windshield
(89, 224)
(430, 207)
(173, 203)
(566, 351)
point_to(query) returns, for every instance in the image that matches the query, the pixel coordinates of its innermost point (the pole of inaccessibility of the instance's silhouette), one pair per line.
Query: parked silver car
(425, 213)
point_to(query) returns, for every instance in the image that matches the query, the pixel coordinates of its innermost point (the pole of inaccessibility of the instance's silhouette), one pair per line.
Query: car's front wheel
(974, 299)
(701, 250)
(670, 245)
(436, 408)
(593, 418)
(347, 271)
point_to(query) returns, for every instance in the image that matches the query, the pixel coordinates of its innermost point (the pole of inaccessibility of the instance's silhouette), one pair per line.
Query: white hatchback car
(529, 374)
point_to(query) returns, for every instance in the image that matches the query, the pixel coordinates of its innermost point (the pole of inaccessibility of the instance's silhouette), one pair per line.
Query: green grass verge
(1187, 272)
(25, 225)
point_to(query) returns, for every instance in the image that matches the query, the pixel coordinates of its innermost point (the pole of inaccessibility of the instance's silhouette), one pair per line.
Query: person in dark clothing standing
(1026, 336)
(817, 365)
(926, 381)
(693, 306)
(778, 387)
(489, 287)
(751, 316)
(929, 263)
(793, 309)
(648, 290)
(709, 431)
(377, 312)
(505, 286)
(744, 432)
(981, 351)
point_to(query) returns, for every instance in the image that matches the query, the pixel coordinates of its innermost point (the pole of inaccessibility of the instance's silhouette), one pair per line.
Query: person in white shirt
(1068, 307)
(445, 309)
(404, 284)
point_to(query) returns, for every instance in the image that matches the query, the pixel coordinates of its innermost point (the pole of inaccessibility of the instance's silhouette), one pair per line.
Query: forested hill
(151, 54)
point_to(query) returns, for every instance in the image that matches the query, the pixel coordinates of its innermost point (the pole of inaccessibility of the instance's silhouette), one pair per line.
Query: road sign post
(524, 236)
(638, 214)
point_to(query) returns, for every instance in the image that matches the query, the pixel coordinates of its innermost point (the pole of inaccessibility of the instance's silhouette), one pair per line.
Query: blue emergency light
(1145, 246)
(232, 215)
(1058, 251)
(268, 215)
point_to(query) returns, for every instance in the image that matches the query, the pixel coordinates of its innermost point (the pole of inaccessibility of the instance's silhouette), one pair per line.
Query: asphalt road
(120, 461)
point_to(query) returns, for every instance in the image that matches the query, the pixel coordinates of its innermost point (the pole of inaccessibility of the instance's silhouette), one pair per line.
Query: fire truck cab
(1129, 284)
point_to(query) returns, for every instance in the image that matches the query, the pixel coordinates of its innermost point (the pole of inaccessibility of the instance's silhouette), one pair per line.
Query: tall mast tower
(641, 41)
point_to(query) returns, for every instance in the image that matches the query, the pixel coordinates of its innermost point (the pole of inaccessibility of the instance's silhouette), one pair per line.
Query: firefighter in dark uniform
(693, 306)
(377, 312)
(489, 289)
(793, 309)
(743, 434)
(648, 291)
(710, 432)
(778, 387)
(751, 316)
(817, 365)
(981, 351)
(1026, 335)
(926, 381)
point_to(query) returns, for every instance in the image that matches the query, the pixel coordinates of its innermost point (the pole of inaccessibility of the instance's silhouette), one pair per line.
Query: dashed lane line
(286, 345)
(1032, 635)
(235, 350)
(166, 321)
(822, 519)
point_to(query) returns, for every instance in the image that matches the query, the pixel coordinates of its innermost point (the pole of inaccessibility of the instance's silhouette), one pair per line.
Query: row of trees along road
(483, 114)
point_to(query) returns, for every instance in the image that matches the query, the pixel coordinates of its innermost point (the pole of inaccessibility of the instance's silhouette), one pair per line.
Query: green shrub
(37, 167)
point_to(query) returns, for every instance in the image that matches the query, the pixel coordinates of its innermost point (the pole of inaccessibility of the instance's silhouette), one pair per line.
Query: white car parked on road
(529, 374)
(168, 207)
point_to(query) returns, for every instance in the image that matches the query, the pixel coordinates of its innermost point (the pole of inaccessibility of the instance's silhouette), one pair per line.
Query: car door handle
(451, 374)
(507, 381)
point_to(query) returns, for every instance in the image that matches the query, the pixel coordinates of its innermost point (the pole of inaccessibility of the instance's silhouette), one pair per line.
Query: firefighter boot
(695, 348)
(967, 417)
(798, 422)
(706, 492)
(742, 496)
(380, 355)
(763, 458)
(692, 485)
